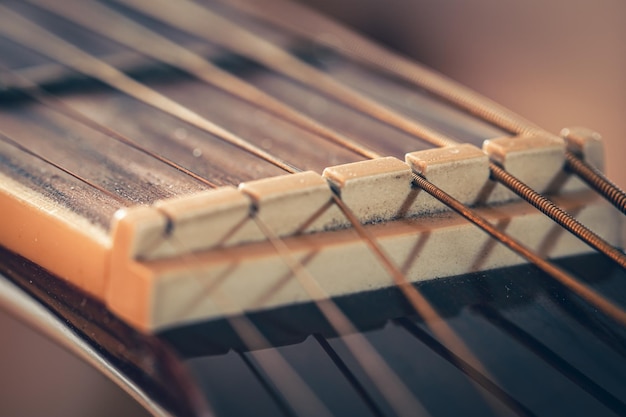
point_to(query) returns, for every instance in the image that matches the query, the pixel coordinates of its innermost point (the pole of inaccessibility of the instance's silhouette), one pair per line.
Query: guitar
(459, 311)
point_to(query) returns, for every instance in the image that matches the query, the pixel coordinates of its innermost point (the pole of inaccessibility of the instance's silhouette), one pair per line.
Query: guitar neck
(219, 170)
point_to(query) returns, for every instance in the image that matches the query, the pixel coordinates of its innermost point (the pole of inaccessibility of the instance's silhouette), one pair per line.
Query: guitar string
(614, 194)
(257, 151)
(402, 401)
(213, 28)
(397, 386)
(442, 330)
(368, 400)
(24, 32)
(321, 29)
(100, 19)
(557, 214)
(198, 21)
(476, 374)
(310, 24)
(472, 101)
(552, 359)
(596, 179)
(98, 127)
(554, 212)
(390, 385)
(582, 290)
(224, 33)
(375, 248)
(497, 173)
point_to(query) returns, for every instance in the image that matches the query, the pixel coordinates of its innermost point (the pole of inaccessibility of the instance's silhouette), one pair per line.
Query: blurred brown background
(557, 62)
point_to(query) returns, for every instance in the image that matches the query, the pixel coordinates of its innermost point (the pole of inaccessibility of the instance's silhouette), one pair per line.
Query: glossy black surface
(542, 351)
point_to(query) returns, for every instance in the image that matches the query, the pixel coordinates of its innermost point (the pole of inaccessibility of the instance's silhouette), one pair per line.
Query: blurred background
(557, 62)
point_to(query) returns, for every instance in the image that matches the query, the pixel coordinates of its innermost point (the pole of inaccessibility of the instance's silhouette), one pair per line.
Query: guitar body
(542, 350)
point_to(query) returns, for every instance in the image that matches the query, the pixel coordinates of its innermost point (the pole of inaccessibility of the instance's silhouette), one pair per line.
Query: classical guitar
(244, 208)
